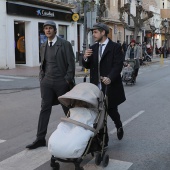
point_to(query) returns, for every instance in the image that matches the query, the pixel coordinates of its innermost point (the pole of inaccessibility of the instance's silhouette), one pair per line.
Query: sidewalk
(25, 71)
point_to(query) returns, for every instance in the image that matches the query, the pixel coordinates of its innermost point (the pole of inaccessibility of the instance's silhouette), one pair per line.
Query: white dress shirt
(53, 41)
(103, 46)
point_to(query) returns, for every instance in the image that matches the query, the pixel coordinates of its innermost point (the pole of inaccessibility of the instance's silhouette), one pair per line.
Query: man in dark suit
(105, 61)
(57, 72)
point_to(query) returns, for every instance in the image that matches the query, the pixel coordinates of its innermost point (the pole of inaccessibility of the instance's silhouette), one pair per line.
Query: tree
(138, 21)
(102, 9)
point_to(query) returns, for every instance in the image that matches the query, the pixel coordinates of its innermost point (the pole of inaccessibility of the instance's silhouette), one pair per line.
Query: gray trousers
(49, 90)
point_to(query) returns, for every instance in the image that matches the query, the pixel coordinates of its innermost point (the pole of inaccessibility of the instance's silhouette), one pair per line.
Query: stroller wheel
(54, 165)
(98, 159)
(105, 160)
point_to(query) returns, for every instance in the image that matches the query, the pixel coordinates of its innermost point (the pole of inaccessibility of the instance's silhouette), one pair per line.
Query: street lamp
(166, 25)
(153, 28)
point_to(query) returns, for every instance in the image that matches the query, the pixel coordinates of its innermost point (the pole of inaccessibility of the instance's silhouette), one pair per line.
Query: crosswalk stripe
(13, 77)
(113, 164)
(2, 141)
(32, 159)
(6, 80)
(26, 160)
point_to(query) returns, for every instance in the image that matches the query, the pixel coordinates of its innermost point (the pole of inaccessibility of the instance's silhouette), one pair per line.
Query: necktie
(100, 50)
(51, 44)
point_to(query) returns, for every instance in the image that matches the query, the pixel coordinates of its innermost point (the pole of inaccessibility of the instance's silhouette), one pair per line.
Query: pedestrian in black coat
(105, 67)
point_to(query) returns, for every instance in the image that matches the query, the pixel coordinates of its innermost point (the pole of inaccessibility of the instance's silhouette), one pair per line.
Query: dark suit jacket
(110, 66)
(64, 56)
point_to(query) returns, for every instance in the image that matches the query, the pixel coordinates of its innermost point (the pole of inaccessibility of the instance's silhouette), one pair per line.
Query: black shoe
(120, 133)
(37, 143)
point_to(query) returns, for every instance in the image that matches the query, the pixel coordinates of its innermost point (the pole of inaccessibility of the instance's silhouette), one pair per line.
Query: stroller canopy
(85, 92)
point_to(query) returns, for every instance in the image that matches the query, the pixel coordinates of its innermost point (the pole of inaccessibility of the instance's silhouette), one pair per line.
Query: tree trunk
(136, 32)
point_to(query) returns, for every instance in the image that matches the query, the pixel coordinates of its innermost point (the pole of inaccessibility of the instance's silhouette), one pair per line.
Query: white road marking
(128, 121)
(32, 159)
(113, 165)
(26, 160)
(2, 141)
(13, 77)
(6, 80)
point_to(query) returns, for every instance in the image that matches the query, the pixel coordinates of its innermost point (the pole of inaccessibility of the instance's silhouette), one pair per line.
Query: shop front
(24, 30)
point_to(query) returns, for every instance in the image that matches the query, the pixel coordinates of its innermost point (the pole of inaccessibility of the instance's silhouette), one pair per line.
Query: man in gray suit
(57, 72)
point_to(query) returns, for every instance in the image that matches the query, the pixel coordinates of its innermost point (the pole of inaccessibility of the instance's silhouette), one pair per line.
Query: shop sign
(22, 10)
(45, 13)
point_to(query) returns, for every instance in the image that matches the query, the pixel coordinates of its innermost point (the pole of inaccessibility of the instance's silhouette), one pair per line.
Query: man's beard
(99, 39)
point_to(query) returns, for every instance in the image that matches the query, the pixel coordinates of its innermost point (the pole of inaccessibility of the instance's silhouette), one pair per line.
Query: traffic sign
(75, 17)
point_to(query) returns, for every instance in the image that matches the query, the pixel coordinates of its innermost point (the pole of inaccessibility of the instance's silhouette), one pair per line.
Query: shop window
(19, 31)
(62, 31)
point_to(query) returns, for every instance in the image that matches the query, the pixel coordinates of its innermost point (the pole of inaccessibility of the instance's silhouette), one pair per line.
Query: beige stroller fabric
(71, 137)
(88, 93)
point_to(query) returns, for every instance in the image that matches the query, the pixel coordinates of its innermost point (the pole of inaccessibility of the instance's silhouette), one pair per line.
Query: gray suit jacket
(64, 56)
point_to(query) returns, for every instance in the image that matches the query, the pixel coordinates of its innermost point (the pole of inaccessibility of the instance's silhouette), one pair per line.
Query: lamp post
(153, 28)
(85, 8)
(166, 25)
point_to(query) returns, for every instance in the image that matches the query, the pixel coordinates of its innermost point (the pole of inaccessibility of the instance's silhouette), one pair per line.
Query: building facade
(22, 29)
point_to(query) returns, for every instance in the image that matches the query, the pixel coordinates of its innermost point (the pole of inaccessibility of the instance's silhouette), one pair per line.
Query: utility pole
(85, 8)
(166, 25)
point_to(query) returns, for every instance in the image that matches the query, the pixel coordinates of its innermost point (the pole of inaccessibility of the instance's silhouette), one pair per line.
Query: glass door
(19, 31)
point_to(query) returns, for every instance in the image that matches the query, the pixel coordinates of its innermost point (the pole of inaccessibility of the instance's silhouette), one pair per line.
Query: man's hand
(106, 80)
(88, 53)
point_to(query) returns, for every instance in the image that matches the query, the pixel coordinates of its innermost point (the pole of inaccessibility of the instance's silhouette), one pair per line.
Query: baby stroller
(128, 71)
(78, 133)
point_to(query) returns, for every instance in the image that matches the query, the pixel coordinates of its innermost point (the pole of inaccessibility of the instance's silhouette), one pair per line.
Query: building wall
(7, 47)
(3, 37)
(116, 28)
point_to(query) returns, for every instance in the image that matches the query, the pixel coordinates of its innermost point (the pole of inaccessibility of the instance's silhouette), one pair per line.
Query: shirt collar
(54, 40)
(105, 42)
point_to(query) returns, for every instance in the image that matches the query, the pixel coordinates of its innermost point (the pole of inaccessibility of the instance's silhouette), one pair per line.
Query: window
(108, 4)
(114, 3)
(119, 5)
(62, 33)
(128, 19)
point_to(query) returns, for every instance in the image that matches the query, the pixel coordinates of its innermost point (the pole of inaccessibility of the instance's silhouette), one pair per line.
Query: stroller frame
(100, 152)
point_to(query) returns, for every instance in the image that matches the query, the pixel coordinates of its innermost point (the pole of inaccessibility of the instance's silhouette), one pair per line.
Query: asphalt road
(145, 116)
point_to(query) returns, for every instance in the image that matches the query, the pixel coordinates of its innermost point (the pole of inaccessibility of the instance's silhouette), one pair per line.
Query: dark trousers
(112, 111)
(49, 90)
(115, 116)
(136, 72)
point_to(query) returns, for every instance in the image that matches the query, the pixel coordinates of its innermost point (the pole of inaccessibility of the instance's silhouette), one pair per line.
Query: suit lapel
(57, 45)
(43, 51)
(107, 49)
(96, 52)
